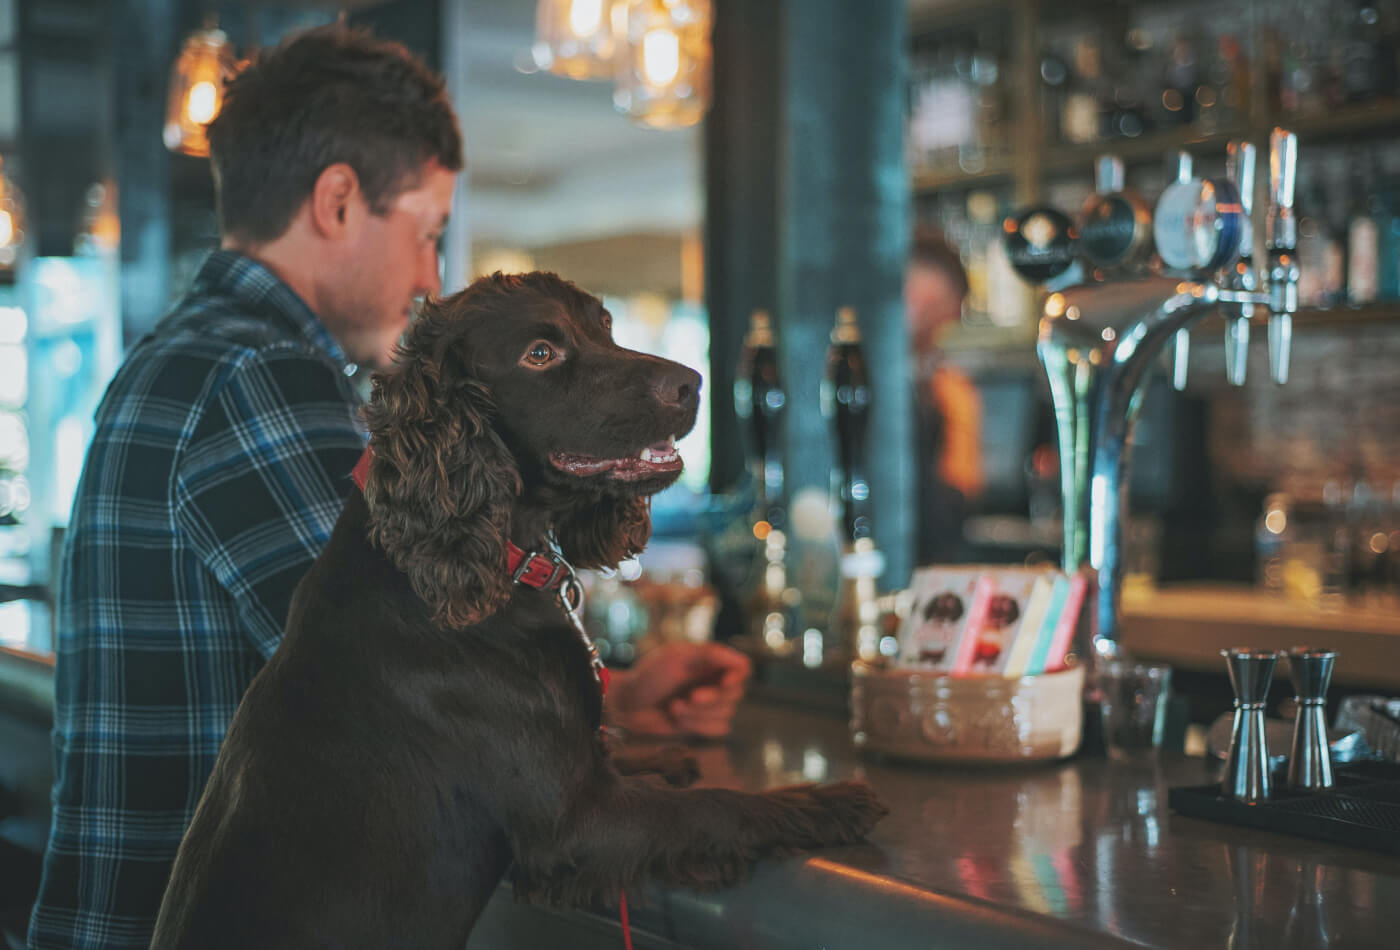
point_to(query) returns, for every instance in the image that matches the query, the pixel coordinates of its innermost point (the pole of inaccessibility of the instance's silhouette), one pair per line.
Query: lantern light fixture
(663, 72)
(577, 38)
(197, 80)
(12, 225)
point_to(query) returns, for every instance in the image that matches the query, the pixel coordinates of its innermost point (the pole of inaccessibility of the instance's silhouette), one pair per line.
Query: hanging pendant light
(12, 226)
(574, 38)
(197, 90)
(663, 69)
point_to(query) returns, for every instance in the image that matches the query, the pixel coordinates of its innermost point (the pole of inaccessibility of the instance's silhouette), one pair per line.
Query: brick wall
(1337, 418)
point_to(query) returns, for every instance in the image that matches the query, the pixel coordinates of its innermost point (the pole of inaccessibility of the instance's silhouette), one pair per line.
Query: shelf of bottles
(1142, 80)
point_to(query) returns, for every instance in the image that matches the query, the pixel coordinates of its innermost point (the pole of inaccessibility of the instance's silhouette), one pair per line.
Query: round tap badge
(1114, 229)
(1198, 224)
(1040, 243)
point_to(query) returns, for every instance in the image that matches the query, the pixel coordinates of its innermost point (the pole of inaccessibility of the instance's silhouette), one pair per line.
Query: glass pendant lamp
(197, 90)
(575, 38)
(663, 68)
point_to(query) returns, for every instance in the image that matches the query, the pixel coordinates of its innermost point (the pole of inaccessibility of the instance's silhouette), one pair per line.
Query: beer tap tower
(846, 402)
(760, 402)
(1097, 341)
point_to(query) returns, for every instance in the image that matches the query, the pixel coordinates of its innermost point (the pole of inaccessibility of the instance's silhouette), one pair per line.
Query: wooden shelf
(1188, 625)
(1152, 147)
(1341, 125)
(1352, 123)
(1319, 319)
(996, 173)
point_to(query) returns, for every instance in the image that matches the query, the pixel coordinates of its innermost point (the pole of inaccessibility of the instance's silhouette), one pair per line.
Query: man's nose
(430, 274)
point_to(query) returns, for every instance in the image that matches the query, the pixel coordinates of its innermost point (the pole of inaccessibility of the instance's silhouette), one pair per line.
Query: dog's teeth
(646, 455)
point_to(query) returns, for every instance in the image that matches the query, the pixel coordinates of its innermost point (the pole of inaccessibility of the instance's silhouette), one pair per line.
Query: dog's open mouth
(652, 460)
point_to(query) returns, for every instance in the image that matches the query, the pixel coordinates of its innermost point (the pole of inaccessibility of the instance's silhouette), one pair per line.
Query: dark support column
(741, 207)
(144, 44)
(823, 225)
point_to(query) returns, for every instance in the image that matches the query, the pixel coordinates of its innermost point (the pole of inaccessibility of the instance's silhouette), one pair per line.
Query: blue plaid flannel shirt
(220, 463)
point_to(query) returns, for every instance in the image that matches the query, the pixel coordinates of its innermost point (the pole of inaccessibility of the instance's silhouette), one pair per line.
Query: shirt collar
(231, 274)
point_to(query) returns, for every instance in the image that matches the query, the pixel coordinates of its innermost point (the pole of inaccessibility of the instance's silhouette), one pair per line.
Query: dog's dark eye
(540, 353)
(607, 322)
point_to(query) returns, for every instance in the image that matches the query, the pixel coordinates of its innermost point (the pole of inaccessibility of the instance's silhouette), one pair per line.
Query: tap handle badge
(1115, 225)
(1198, 225)
(1041, 243)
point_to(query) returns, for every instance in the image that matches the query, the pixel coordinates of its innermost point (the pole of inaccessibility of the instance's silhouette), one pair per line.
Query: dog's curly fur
(425, 721)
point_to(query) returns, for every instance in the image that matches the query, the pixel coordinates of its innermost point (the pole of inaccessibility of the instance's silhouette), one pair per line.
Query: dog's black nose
(677, 385)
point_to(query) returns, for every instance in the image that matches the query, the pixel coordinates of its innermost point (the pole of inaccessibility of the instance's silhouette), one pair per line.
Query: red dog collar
(542, 571)
(361, 471)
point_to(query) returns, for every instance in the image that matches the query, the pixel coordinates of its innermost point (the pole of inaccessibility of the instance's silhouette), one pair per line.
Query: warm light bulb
(585, 16)
(203, 102)
(661, 56)
(7, 228)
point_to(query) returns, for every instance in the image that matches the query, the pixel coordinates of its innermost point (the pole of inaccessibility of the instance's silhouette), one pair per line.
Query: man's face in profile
(931, 302)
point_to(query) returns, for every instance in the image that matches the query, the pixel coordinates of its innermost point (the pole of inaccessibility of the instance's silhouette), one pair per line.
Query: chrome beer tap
(1282, 241)
(1097, 342)
(1239, 169)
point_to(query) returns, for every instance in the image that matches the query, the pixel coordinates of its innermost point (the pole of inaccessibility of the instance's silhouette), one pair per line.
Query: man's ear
(333, 199)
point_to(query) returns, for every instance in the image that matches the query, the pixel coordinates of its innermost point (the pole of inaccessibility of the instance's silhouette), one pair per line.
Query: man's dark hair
(326, 95)
(929, 248)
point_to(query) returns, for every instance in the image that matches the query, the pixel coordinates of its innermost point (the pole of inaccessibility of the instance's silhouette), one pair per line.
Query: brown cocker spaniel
(429, 719)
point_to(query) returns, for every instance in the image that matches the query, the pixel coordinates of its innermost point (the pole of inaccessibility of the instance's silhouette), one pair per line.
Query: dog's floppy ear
(603, 533)
(441, 483)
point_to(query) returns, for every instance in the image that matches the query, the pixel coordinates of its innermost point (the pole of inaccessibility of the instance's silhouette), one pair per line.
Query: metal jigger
(1247, 768)
(1310, 763)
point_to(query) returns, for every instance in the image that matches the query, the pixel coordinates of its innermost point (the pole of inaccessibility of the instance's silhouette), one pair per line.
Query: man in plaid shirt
(223, 452)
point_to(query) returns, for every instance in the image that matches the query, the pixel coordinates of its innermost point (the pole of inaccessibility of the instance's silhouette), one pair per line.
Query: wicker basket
(912, 714)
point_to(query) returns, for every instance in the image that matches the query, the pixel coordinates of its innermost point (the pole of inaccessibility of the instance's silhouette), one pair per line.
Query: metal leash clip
(571, 599)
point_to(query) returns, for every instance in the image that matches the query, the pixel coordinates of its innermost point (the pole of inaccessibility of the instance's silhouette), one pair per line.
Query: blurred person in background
(948, 409)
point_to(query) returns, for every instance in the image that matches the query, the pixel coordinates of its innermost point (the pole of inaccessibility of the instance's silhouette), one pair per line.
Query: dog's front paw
(820, 815)
(854, 810)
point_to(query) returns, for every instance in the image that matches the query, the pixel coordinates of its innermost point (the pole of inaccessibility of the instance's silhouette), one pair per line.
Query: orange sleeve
(960, 464)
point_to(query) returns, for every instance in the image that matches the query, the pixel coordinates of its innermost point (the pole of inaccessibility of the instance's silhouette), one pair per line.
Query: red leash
(626, 927)
(544, 573)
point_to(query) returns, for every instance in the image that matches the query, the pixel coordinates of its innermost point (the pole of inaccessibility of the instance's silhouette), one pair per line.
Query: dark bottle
(1363, 238)
(1082, 119)
(1179, 82)
(1361, 51)
(759, 400)
(846, 400)
(1054, 75)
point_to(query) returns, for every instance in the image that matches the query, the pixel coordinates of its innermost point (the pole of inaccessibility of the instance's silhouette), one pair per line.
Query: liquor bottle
(1081, 122)
(1363, 241)
(1238, 90)
(1054, 76)
(1179, 81)
(982, 234)
(1312, 243)
(1129, 86)
(846, 401)
(1388, 272)
(1334, 251)
(1360, 51)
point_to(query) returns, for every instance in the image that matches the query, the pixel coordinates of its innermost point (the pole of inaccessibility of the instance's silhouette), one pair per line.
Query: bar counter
(1080, 853)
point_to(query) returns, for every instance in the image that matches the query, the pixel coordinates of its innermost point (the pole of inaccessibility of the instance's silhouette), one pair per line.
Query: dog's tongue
(657, 457)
